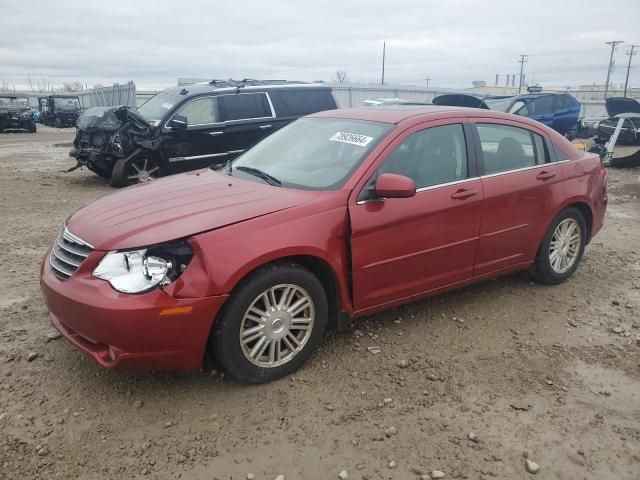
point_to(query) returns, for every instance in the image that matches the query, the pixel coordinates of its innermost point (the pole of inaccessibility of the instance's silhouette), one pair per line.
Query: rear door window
(542, 105)
(505, 147)
(245, 106)
(304, 102)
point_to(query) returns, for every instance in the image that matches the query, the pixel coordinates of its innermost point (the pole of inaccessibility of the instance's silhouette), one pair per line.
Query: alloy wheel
(277, 325)
(564, 247)
(143, 170)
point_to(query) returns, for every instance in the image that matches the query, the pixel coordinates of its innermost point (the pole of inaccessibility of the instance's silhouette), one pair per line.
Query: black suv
(185, 128)
(59, 110)
(15, 114)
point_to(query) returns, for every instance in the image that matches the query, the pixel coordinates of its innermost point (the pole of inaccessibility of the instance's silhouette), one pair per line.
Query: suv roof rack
(250, 82)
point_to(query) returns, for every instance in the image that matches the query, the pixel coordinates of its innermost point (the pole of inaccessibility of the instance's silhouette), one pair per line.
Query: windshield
(499, 104)
(66, 103)
(157, 107)
(9, 102)
(312, 153)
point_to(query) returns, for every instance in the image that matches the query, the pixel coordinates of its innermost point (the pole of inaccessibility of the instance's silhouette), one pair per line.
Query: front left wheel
(138, 170)
(272, 323)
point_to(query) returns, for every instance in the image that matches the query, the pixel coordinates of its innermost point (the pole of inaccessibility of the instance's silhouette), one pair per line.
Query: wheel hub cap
(277, 325)
(565, 245)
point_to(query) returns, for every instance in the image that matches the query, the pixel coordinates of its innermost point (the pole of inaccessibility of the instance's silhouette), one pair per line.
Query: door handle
(216, 133)
(544, 175)
(463, 193)
(265, 127)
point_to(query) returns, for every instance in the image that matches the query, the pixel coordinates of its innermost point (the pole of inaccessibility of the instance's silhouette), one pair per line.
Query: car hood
(110, 119)
(459, 100)
(177, 207)
(617, 105)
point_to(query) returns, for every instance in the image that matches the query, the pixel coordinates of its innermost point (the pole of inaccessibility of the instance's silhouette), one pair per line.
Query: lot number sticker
(351, 138)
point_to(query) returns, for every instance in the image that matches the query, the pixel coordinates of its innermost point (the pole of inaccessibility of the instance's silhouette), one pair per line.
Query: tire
(550, 268)
(118, 175)
(143, 168)
(226, 339)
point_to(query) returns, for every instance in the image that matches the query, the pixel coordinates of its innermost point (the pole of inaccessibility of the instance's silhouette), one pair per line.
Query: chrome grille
(68, 253)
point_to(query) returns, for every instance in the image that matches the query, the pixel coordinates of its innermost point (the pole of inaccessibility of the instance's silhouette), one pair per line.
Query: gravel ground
(469, 384)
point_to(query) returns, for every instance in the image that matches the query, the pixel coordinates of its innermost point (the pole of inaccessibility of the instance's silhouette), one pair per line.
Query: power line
(631, 53)
(522, 61)
(613, 44)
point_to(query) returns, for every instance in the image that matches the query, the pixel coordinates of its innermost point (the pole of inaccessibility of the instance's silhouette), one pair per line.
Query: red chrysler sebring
(338, 215)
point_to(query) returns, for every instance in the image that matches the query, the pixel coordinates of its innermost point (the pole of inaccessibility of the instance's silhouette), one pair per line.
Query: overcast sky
(451, 41)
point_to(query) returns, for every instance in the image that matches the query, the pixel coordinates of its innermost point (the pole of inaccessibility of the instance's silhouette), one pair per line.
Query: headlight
(137, 271)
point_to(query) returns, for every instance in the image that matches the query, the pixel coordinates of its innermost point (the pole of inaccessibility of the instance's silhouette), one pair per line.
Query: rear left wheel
(272, 323)
(562, 247)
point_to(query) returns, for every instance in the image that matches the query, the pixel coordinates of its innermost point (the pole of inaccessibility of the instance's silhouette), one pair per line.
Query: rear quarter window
(305, 102)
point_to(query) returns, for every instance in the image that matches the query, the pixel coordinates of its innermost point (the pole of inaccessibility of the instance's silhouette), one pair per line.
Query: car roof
(224, 87)
(396, 114)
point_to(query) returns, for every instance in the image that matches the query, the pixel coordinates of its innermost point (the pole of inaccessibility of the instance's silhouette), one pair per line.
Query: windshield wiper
(270, 179)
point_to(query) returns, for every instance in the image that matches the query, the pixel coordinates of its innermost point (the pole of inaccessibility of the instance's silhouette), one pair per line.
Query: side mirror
(179, 122)
(392, 185)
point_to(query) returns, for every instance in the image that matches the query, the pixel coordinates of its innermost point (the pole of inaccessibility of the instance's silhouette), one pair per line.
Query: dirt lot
(548, 372)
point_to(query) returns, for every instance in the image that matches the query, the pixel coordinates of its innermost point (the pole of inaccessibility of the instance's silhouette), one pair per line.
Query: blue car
(559, 111)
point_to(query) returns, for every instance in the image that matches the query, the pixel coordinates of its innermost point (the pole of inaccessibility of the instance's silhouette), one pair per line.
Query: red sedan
(339, 215)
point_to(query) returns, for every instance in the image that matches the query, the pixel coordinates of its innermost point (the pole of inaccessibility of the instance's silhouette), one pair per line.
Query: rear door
(202, 143)
(522, 191)
(541, 109)
(248, 118)
(404, 247)
(566, 113)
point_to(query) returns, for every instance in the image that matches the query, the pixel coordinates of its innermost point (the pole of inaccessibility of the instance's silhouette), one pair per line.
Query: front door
(402, 248)
(522, 190)
(202, 143)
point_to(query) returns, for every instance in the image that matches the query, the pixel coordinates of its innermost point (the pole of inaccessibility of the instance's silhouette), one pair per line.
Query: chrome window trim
(226, 122)
(465, 180)
(208, 155)
(542, 165)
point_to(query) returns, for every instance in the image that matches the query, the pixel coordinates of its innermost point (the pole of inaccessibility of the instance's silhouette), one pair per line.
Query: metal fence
(353, 95)
(111, 96)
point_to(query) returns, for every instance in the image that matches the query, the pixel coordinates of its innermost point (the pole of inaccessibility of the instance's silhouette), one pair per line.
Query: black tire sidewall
(543, 270)
(118, 174)
(226, 333)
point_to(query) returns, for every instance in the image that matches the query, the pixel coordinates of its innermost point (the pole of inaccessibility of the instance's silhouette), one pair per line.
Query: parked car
(559, 111)
(621, 107)
(338, 215)
(15, 114)
(185, 128)
(588, 126)
(59, 110)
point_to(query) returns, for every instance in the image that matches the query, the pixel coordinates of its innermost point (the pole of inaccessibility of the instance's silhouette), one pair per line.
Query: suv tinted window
(430, 157)
(304, 102)
(244, 106)
(505, 148)
(202, 111)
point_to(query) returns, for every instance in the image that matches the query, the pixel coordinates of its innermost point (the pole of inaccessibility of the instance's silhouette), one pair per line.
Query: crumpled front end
(107, 134)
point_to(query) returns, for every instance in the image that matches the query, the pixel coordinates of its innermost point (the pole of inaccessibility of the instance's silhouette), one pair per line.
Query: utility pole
(613, 44)
(384, 48)
(522, 61)
(427, 80)
(631, 53)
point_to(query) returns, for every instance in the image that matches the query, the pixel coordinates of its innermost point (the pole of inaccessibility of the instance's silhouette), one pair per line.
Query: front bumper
(128, 332)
